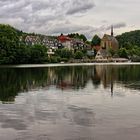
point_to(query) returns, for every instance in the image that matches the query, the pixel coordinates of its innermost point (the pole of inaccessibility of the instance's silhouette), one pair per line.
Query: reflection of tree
(130, 76)
(126, 74)
(8, 87)
(96, 79)
(80, 77)
(72, 77)
(13, 81)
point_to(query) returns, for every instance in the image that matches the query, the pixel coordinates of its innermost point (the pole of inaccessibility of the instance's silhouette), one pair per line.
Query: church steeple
(112, 30)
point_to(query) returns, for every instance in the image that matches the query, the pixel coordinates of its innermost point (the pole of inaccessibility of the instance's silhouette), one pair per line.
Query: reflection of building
(107, 75)
(108, 43)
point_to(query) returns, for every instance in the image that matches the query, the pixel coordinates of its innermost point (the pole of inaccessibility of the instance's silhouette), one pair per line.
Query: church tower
(112, 31)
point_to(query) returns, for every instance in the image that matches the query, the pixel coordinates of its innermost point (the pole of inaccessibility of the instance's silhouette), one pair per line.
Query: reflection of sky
(85, 114)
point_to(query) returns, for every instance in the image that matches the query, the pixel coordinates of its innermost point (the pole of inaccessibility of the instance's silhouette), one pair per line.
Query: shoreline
(67, 64)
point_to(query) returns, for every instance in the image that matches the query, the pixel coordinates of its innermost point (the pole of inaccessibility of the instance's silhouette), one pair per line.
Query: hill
(129, 38)
(129, 43)
(13, 51)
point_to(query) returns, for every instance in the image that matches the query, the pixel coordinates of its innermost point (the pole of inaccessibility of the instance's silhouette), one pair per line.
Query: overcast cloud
(52, 17)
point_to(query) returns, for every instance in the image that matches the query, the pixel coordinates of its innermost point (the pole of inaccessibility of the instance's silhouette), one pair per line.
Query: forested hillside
(129, 38)
(12, 51)
(129, 43)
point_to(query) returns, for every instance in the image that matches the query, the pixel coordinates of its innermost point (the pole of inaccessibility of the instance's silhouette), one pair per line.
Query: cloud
(69, 27)
(55, 17)
(80, 6)
(119, 25)
(116, 26)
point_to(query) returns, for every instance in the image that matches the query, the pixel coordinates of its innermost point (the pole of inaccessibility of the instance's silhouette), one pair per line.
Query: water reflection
(14, 80)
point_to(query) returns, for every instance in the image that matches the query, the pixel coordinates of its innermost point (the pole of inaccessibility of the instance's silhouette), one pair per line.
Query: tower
(112, 30)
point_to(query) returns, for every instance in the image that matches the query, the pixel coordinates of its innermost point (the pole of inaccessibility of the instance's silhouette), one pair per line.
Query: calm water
(100, 102)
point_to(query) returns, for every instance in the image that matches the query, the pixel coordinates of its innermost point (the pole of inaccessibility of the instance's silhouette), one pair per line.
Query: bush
(78, 55)
(64, 59)
(123, 53)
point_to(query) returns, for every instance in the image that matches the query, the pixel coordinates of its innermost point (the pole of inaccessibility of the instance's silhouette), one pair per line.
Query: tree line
(129, 43)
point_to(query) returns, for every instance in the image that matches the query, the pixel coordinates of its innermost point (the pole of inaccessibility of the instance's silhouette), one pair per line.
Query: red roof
(64, 38)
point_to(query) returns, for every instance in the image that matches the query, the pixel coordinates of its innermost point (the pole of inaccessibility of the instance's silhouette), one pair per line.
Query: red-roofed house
(65, 41)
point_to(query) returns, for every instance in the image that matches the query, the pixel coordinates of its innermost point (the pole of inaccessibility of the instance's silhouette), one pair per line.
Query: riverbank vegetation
(130, 45)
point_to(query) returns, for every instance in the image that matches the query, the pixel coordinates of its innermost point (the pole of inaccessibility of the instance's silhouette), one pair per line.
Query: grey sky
(53, 17)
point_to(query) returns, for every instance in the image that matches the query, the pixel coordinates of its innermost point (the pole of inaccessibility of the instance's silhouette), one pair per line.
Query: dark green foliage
(131, 42)
(123, 53)
(64, 60)
(131, 38)
(54, 59)
(14, 52)
(78, 55)
(9, 43)
(9, 33)
(64, 53)
(83, 37)
(112, 52)
(23, 55)
(38, 54)
(96, 40)
(88, 42)
(78, 36)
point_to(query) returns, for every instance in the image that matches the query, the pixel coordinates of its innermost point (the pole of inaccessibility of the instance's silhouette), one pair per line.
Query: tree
(9, 33)
(132, 38)
(23, 55)
(88, 42)
(38, 54)
(78, 36)
(78, 55)
(123, 53)
(111, 51)
(96, 40)
(9, 43)
(66, 53)
(83, 37)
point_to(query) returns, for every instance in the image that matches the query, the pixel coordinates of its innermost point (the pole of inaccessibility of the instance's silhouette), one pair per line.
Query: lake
(70, 102)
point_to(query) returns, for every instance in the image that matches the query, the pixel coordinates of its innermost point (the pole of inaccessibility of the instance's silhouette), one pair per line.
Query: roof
(64, 38)
(109, 37)
(102, 53)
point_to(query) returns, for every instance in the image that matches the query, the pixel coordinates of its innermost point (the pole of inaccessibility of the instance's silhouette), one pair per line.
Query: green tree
(9, 33)
(83, 37)
(64, 53)
(132, 38)
(123, 53)
(111, 51)
(9, 42)
(38, 54)
(78, 55)
(23, 55)
(96, 40)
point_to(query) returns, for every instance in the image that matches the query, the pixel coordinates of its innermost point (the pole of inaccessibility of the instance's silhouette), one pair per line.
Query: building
(108, 42)
(65, 41)
(32, 40)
